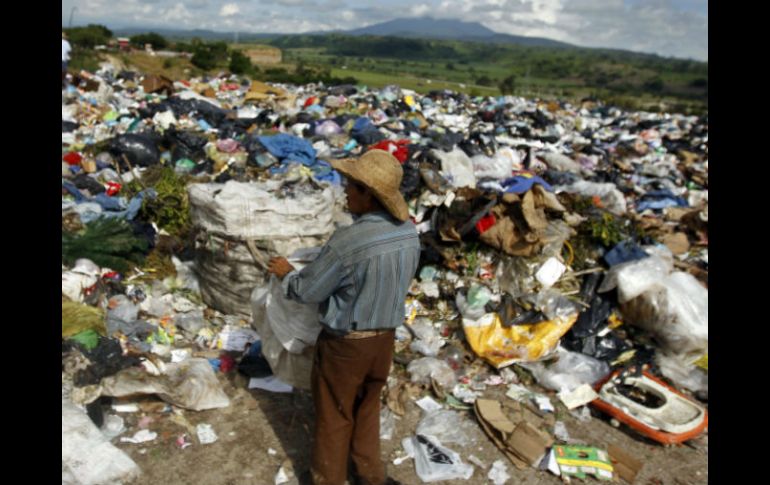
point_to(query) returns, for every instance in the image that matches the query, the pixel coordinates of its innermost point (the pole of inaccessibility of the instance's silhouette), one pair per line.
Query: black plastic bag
(83, 181)
(140, 149)
(68, 126)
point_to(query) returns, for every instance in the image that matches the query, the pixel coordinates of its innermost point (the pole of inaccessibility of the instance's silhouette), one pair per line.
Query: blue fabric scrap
(520, 184)
(623, 252)
(289, 148)
(660, 199)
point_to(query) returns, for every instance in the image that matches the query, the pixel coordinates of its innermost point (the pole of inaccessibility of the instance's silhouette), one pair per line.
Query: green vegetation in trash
(609, 230)
(84, 60)
(170, 210)
(78, 317)
(157, 266)
(525, 376)
(108, 242)
(606, 229)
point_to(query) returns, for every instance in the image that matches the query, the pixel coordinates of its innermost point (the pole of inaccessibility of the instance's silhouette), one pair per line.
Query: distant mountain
(424, 27)
(427, 27)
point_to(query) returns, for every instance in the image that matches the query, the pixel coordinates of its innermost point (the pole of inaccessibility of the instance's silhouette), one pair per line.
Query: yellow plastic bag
(502, 346)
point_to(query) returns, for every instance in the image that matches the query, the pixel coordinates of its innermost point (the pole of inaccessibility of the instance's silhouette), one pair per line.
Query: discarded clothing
(660, 199)
(624, 251)
(523, 183)
(290, 148)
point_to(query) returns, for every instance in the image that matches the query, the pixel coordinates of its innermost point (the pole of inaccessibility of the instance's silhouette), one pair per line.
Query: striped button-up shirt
(362, 275)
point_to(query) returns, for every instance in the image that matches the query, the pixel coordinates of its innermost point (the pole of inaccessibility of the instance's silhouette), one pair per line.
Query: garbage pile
(565, 243)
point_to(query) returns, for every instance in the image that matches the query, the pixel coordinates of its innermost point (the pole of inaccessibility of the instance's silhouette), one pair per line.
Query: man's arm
(315, 283)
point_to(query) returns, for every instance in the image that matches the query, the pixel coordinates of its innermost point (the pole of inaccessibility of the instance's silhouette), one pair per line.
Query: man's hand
(279, 266)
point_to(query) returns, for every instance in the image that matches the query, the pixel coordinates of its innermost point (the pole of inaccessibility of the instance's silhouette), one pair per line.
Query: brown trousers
(347, 378)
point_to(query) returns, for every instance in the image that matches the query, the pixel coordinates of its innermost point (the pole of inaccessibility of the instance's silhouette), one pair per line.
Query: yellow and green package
(579, 461)
(501, 346)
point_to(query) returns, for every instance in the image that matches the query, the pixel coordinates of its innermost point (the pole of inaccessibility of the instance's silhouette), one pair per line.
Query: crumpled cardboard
(157, 84)
(522, 442)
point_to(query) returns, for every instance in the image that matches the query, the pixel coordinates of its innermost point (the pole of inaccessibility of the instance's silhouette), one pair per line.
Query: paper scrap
(236, 338)
(550, 272)
(543, 403)
(428, 404)
(206, 434)
(579, 397)
(140, 437)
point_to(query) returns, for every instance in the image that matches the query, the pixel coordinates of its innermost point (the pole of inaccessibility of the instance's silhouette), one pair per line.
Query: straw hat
(381, 173)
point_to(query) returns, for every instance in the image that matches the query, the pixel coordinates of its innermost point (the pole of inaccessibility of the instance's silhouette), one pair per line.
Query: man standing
(360, 279)
(65, 57)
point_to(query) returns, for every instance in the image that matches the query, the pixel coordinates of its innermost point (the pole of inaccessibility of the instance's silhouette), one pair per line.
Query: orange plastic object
(687, 428)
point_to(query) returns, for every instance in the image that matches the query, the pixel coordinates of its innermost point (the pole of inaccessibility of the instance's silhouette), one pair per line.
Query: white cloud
(419, 10)
(229, 10)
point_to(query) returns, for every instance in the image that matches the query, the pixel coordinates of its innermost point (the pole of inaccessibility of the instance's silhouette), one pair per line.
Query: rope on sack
(260, 258)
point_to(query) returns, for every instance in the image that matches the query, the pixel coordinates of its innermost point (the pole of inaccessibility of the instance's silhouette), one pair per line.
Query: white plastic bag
(560, 162)
(426, 368)
(675, 309)
(572, 370)
(190, 384)
(387, 423)
(87, 457)
(494, 168)
(498, 474)
(295, 324)
(682, 373)
(609, 195)
(434, 462)
(635, 277)
(456, 167)
(429, 341)
(448, 427)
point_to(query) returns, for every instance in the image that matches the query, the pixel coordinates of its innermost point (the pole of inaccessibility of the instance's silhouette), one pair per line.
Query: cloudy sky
(676, 28)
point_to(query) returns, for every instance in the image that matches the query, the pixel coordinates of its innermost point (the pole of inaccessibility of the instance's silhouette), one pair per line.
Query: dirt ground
(261, 431)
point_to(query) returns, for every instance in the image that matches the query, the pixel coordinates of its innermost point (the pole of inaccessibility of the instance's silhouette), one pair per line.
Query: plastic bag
(426, 368)
(495, 168)
(498, 474)
(456, 167)
(611, 198)
(472, 306)
(554, 305)
(635, 277)
(190, 384)
(140, 149)
(560, 162)
(501, 346)
(682, 373)
(292, 368)
(387, 423)
(572, 370)
(448, 427)
(429, 341)
(295, 324)
(434, 462)
(87, 456)
(516, 275)
(675, 309)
